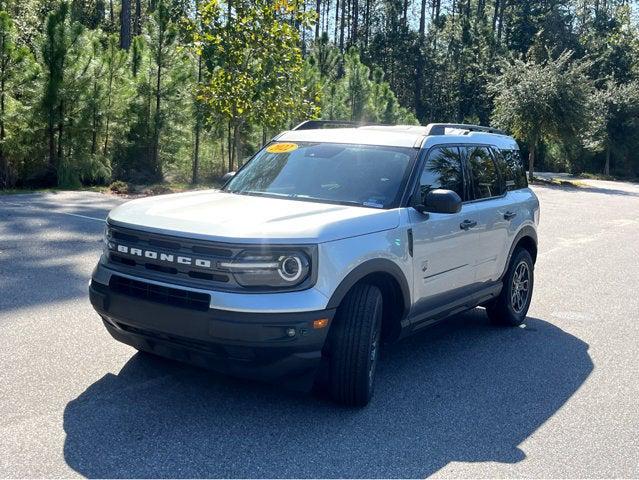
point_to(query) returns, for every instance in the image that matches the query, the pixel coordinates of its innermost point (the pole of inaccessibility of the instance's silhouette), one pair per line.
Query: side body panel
(498, 229)
(444, 253)
(339, 258)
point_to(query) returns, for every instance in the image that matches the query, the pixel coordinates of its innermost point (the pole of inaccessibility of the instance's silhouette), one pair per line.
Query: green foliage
(18, 71)
(358, 95)
(255, 65)
(206, 83)
(615, 126)
(542, 101)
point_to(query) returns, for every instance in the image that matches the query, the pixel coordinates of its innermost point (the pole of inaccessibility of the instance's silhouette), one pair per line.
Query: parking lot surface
(557, 398)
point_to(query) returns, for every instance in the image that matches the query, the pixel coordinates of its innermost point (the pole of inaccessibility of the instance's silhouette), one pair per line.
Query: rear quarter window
(512, 168)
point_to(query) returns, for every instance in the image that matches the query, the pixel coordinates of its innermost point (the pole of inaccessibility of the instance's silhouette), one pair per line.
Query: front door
(444, 245)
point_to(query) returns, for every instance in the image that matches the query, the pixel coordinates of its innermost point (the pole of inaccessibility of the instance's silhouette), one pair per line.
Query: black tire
(511, 306)
(354, 348)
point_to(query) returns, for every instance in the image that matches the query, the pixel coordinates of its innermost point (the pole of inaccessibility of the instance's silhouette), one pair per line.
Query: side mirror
(440, 201)
(227, 177)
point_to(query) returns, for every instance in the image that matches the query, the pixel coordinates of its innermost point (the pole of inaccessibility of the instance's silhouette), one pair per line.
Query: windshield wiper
(261, 194)
(328, 200)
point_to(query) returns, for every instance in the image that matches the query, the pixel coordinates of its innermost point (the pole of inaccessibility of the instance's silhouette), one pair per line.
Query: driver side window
(443, 169)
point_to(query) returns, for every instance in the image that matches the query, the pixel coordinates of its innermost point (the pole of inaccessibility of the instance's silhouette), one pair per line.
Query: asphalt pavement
(556, 398)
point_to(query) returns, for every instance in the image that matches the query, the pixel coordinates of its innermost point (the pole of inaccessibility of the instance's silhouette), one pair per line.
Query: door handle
(467, 224)
(509, 215)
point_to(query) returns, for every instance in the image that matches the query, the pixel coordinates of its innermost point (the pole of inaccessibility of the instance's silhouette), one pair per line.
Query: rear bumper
(250, 345)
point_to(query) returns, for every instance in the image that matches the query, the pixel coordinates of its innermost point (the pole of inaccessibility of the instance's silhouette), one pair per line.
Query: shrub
(119, 187)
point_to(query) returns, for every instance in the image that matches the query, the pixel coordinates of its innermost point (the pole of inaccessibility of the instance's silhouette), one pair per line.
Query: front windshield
(363, 175)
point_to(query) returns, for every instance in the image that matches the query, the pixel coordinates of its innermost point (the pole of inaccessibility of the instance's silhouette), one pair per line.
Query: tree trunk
(607, 164)
(155, 151)
(229, 145)
(51, 139)
(111, 16)
(125, 25)
(495, 15)
(60, 152)
(355, 25)
(60, 131)
(336, 20)
(481, 5)
(237, 144)
(156, 128)
(531, 161)
(318, 20)
(94, 122)
(137, 21)
(108, 111)
(327, 11)
(500, 19)
(341, 26)
(4, 164)
(367, 22)
(198, 125)
(422, 23)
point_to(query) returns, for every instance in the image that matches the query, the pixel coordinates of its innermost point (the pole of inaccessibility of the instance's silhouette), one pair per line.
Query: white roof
(396, 136)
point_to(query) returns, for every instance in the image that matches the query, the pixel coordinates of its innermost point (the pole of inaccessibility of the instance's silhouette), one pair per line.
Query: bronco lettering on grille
(163, 257)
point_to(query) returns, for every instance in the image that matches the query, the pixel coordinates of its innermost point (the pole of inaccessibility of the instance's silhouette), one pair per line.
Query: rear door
(492, 211)
(443, 250)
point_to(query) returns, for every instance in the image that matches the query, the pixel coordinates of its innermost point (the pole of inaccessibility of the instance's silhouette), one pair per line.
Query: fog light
(290, 332)
(320, 323)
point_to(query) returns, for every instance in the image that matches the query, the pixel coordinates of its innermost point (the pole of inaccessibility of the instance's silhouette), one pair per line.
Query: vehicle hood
(227, 217)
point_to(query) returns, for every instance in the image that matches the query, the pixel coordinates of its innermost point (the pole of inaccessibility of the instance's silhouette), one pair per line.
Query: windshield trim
(275, 196)
(396, 202)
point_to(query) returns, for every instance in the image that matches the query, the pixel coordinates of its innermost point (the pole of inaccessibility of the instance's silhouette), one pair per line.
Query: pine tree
(16, 69)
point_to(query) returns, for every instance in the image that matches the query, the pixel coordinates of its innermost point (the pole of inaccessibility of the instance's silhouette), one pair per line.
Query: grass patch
(171, 187)
(22, 191)
(558, 182)
(121, 188)
(610, 178)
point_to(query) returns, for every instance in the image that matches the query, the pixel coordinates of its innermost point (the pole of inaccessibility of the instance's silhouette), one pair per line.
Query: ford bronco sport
(326, 243)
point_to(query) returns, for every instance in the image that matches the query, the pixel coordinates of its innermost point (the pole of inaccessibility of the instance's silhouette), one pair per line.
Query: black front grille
(157, 293)
(195, 275)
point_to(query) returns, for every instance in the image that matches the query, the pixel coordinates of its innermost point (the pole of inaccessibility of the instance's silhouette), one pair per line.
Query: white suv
(326, 243)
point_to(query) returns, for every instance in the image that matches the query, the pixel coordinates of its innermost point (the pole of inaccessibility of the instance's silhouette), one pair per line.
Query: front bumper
(245, 344)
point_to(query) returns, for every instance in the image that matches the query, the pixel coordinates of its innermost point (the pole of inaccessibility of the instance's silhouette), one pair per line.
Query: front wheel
(511, 307)
(355, 343)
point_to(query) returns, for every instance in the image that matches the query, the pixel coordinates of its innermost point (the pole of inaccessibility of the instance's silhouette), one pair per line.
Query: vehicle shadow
(462, 391)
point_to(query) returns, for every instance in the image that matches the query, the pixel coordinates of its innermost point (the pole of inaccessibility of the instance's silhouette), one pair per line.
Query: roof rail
(440, 128)
(312, 124)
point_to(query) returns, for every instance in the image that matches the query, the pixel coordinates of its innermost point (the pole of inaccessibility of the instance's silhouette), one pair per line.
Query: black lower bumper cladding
(283, 348)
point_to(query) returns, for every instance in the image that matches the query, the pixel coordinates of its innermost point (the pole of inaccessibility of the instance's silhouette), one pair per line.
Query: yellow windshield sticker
(281, 148)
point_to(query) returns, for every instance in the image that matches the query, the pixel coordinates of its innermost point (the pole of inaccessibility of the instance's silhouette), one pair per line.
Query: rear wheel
(355, 344)
(511, 307)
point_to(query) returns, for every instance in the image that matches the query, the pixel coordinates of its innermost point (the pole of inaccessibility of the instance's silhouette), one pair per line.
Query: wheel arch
(390, 279)
(525, 238)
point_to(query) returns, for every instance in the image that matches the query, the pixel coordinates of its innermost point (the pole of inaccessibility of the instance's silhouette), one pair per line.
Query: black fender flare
(526, 231)
(377, 265)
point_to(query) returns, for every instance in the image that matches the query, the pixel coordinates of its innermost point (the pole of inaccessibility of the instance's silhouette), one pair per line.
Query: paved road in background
(558, 398)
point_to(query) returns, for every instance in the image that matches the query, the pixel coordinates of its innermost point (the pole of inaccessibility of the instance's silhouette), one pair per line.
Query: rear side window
(486, 182)
(443, 169)
(512, 169)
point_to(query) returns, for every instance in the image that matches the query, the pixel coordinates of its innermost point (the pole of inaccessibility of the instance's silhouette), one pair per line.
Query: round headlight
(290, 268)
(269, 269)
